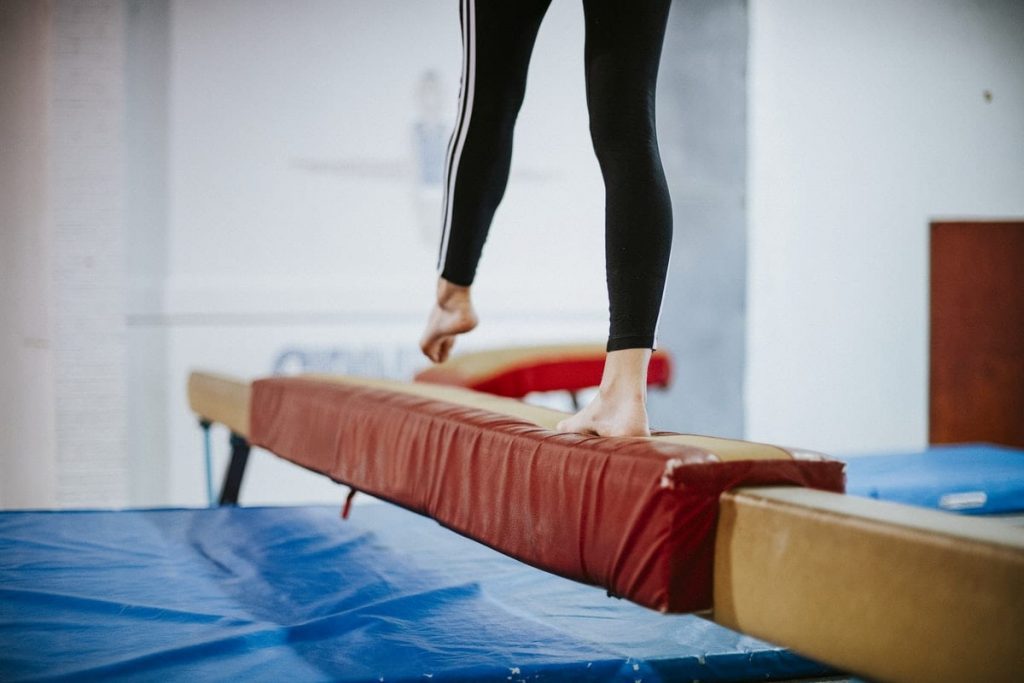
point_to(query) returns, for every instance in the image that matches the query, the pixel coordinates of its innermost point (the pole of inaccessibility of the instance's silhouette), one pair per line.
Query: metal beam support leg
(236, 469)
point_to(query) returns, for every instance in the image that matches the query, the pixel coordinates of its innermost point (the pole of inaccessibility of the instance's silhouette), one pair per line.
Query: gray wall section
(702, 130)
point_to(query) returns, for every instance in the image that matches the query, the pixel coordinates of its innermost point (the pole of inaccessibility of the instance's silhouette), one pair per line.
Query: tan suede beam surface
(221, 399)
(892, 592)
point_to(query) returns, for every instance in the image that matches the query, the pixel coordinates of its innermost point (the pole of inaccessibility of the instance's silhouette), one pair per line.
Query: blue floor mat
(295, 594)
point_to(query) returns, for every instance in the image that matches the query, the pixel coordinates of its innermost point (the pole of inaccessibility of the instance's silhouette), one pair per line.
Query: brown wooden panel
(977, 332)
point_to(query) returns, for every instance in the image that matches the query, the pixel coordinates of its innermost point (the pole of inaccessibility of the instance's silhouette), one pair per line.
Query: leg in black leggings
(497, 40)
(623, 49)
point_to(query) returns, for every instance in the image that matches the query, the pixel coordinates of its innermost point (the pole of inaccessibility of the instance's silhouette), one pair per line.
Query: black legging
(623, 48)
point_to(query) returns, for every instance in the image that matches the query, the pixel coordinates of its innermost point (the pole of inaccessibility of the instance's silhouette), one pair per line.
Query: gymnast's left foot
(620, 407)
(452, 315)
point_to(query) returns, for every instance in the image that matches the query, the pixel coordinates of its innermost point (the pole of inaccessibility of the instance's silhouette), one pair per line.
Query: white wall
(297, 221)
(27, 434)
(867, 120)
(62, 406)
(88, 269)
(293, 171)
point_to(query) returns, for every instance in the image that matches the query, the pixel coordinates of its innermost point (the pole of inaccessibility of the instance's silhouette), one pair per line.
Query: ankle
(623, 392)
(625, 375)
(450, 295)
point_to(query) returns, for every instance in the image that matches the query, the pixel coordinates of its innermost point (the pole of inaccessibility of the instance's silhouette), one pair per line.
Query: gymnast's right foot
(452, 315)
(620, 407)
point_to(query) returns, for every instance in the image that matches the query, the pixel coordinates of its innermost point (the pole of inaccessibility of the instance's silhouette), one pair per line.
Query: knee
(620, 130)
(500, 105)
(621, 147)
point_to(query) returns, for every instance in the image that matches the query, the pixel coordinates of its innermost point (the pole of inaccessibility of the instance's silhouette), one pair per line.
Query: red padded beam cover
(634, 516)
(566, 373)
(569, 374)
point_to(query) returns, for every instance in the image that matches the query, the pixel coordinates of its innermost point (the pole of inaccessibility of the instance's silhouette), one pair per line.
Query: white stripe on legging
(459, 137)
(460, 111)
(459, 114)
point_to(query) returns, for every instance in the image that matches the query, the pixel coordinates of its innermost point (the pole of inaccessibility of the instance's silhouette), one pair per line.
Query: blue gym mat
(975, 479)
(295, 594)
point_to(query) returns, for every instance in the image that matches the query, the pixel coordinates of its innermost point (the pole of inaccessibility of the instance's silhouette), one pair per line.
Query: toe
(444, 348)
(576, 425)
(427, 347)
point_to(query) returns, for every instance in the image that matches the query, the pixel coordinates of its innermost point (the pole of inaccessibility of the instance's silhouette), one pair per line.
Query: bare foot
(620, 407)
(452, 315)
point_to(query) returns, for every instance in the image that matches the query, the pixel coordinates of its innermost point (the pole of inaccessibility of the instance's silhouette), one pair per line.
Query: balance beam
(518, 371)
(883, 590)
